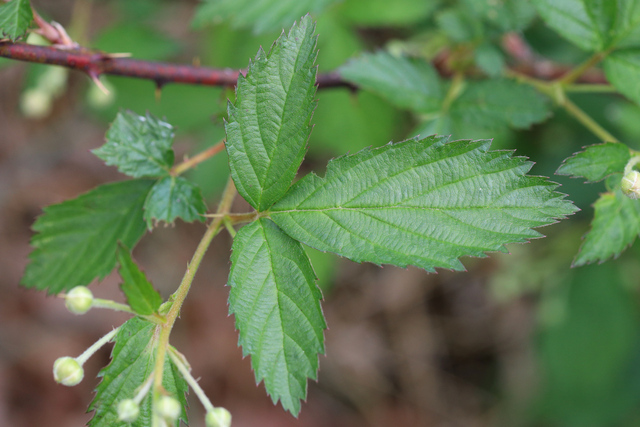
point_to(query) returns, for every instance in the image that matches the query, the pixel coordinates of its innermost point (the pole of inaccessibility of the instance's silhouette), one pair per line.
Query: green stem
(578, 71)
(96, 346)
(197, 159)
(587, 121)
(208, 406)
(116, 306)
(590, 88)
(181, 293)
(457, 85)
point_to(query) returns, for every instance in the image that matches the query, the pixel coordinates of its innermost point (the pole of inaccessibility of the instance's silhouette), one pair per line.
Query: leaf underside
(77, 240)
(132, 362)
(615, 225)
(277, 309)
(596, 162)
(268, 126)
(15, 18)
(420, 202)
(141, 296)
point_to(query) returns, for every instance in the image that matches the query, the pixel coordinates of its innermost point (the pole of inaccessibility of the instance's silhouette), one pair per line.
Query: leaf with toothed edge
(420, 202)
(596, 162)
(141, 296)
(276, 304)
(15, 18)
(174, 197)
(269, 124)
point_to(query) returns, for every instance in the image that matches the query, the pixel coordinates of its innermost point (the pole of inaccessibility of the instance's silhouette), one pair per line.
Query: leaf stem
(590, 88)
(96, 346)
(578, 71)
(180, 294)
(177, 360)
(587, 121)
(197, 159)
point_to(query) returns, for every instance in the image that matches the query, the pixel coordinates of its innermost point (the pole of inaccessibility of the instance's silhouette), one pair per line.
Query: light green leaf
(15, 18)
(615, 225)
(261, 15)
(77, 240)
(139, 146)
(384, 13)
(269, 125)
(132, 362)
(489, 59)
(596, 162)
(420, 202)
(174, 197)
(277, 308)
(141, 296)
(408, 83)
(507, 15)
(460, 25)
(622, 69)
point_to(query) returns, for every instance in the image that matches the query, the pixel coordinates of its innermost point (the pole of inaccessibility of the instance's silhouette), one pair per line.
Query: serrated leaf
(490, 106)
(141, 296)
(261, 15)
(77, 240)
(268, 126)
(132, 362)
(407, 83)
(139, 146)
(615, 225)
(174, 197)
(622, 68)
(277, 308)
(596, 162)
(420, 202)
(15, 18)
(593, 25)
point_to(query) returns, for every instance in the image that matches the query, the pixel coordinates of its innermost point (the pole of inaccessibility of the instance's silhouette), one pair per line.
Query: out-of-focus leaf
(277, 309)
(77, 240)
(490, 59)
(140, 41)
(459, 25)
(15, 18)
(596, 162)
(407, 83)
(174, 197)
(507, 15)
(139, 146)
(376, 13)
(622, 69)
(615, 225)
(141, 296)
(420, 202)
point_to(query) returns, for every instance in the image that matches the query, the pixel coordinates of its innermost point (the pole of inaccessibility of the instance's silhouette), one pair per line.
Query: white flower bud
(128, 410)
(631, 185)
(168, 408)
(219, 417)
(67, 371)
(79, 300)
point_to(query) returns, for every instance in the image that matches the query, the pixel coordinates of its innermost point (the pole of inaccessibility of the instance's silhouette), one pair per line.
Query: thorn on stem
(96, 79)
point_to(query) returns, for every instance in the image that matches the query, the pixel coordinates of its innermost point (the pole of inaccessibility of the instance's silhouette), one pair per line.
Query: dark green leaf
(132, 362)
(277, 308)
(596, 162)
(261, 15)
(269, 125)
(384, 13)
(174, 197)
(407, 83)
(420, 202)
(139, 146)
(615, 225)
(141, 296)
(15, 18)
(77, 240)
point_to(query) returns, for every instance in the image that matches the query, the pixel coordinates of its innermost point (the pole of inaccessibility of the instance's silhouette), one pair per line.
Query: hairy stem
(181, 293)
(197, 159)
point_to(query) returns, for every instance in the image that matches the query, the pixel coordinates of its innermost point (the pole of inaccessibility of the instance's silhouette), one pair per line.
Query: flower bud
(128, 410)
(219, 417)
(168, 408)
(631, 185)
(79, 300)
(67, 371)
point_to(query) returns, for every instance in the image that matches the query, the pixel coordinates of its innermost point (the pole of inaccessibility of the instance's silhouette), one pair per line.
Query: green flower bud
(631, 185)
(79, 300)
(67, 371)
(219, 417)
(168, 408)
(128, 410)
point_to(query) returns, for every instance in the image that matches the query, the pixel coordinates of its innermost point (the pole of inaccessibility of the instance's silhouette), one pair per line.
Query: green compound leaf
(593, 25)
(420, 202)
(77, 240)
(407, 83)
(490, 106)
(174, 197)
(596, 162)
(141, 296)
(622, 68)
(139, 146)
(277, 308)
(268, 126)
(15, 18)
(132, 362)
(507, 15)
(615, 225)
(261, 15)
